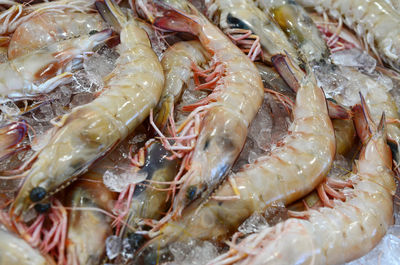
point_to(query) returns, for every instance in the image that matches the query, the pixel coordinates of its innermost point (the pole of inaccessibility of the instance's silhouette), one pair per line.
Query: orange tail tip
(175, 20)
(363, 122)
(285, 69)
(337, 111)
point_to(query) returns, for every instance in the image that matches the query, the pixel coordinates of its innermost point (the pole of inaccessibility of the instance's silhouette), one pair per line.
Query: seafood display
(199, 132)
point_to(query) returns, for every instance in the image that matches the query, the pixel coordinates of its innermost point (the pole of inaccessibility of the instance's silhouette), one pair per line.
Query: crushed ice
(255, 223)
(192, 252)
(117, 181)
(268, 127)
(355, 58)
(113, 246)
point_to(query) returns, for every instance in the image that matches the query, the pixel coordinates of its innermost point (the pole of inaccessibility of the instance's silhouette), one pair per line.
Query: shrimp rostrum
(90, 131)
(348, 230)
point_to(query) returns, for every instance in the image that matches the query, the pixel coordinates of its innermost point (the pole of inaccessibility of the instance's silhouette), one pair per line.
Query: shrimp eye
(136, 240)
(92, 32)
(37, 194)
(42, 207)
(191, 193)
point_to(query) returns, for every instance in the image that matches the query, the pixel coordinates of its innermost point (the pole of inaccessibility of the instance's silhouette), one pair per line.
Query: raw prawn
(41, 71)
(236, 97)
(148, 200)
(299, 27)
(343, 127)
(88, 228)
(90, 131)
(150, 197)
(349, 80)
(177, 64)
(348, 230)
(15, 251)
(44, 29)
(13, 17)
(374, 21)
(293, 169)
(239, 18)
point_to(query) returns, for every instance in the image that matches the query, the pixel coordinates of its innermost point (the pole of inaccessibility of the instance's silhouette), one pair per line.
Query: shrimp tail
(163, 112)
(10, 136)
(176, 20)
(363, 122)
(284, 67)
(111, 13)
(292, 76)
(337, 111)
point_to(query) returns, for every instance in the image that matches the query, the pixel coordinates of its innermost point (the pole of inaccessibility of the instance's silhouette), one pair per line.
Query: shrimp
(342, 125)
(177, 63)
(337, 36)
(90, 131)
(50, 27)
(256, 33)
(39, 72)
(290, 171)
(13, 17)
(348, 230)
(237, 16)
(87, 228)
(149, 198)
(374, 21)
(15, 251)
(353, 82)
(230, 108)
(299, 27)
(149, 202)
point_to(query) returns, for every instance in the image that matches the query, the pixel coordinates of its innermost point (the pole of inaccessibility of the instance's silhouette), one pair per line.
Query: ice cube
(192, 252)
(276, 213)
(355, 58)
(10, 108)
(81, 99)
(255, 223)
(341, 166)
(99, 65)
(113, 246)
(117, 180)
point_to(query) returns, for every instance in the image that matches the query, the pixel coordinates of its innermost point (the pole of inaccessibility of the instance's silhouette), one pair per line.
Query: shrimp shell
(330, 235)
(13, 17)
(87, 228)
(90, 131)
(177, 62)
(244, 14)
(289, 172)
(235, 102)
(299, 27)
(41, 71)
(16, 251)
(375, 21)
(50, 27)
